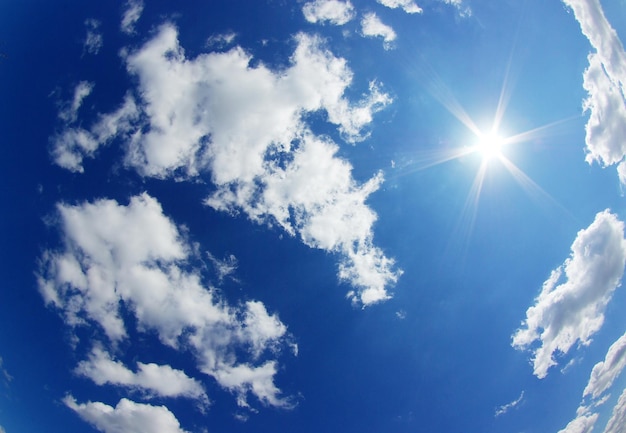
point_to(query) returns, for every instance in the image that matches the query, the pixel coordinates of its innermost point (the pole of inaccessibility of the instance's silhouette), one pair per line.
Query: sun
(490, 146)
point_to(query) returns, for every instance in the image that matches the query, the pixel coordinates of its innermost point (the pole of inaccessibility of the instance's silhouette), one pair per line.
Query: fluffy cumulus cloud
(245, 126)
(333, 11)
(409, 6)
(131, 15)
(93, 40)
(152, 380)
(372, 26)
(604, 81)
(570, 307)
(133, 255)
(126, 416)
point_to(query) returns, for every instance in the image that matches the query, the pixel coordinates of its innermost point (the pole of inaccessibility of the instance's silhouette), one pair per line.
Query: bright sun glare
(490, 146)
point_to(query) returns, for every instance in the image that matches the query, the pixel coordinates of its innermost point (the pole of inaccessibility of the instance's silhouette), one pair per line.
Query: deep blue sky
(280, 216)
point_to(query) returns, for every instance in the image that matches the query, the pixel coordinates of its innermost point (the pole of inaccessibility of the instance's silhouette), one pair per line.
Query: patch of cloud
(570, 311)
(151, 379)
(336, 12)
(583, 423)
(507, 407)
(604, 373)
(73, 144)
(69, 111)
(93, 40)
(225, 267)
(134, 256)
(132, 13)
(245, 125)
(605, 83)
(372, 26)
(408, 6)
(221, 40)
(7, 378)
(126, 416)
(618, 418)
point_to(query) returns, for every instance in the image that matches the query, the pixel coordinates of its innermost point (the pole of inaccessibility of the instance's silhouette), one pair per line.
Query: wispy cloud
(570, 311)
(93, 40)
(372, 26)
(336, 12)
(507, 407)
(134, 255)
(605, 83)
(604, 373)
(132, 13)
(126, 416)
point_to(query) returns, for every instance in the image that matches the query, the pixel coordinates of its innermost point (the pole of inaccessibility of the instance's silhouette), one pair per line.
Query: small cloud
(409, 6)
(507, 407)
(221, 40)
(372, 26)
(463, 10)
(93, 39)
(401, 314)
(134, 9)
(69, 112)
(225, 267)
(333, 11)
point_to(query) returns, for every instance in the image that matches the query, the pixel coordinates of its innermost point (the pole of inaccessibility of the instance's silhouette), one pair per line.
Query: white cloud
(225, 267)
(507, 407)
(72, 145)
(605, 82)
(372, 26)
(69, 111)
(244, 125)
(604, 373)
(334, 11)
(581, 424)
(2, 430)
(409, 6)
(127, 416)
(618, 419)
(93, 40)
(134, 9)
(134, 255)
(571, 311)
(151, 379)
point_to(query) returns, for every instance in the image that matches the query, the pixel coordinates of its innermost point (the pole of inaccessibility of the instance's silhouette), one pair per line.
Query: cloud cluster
(570, 311)
(246, 126)
(133, 258)
(336, 12)
(605, 83)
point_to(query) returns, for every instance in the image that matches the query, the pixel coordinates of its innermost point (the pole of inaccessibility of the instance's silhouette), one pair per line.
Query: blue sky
(327, 215)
